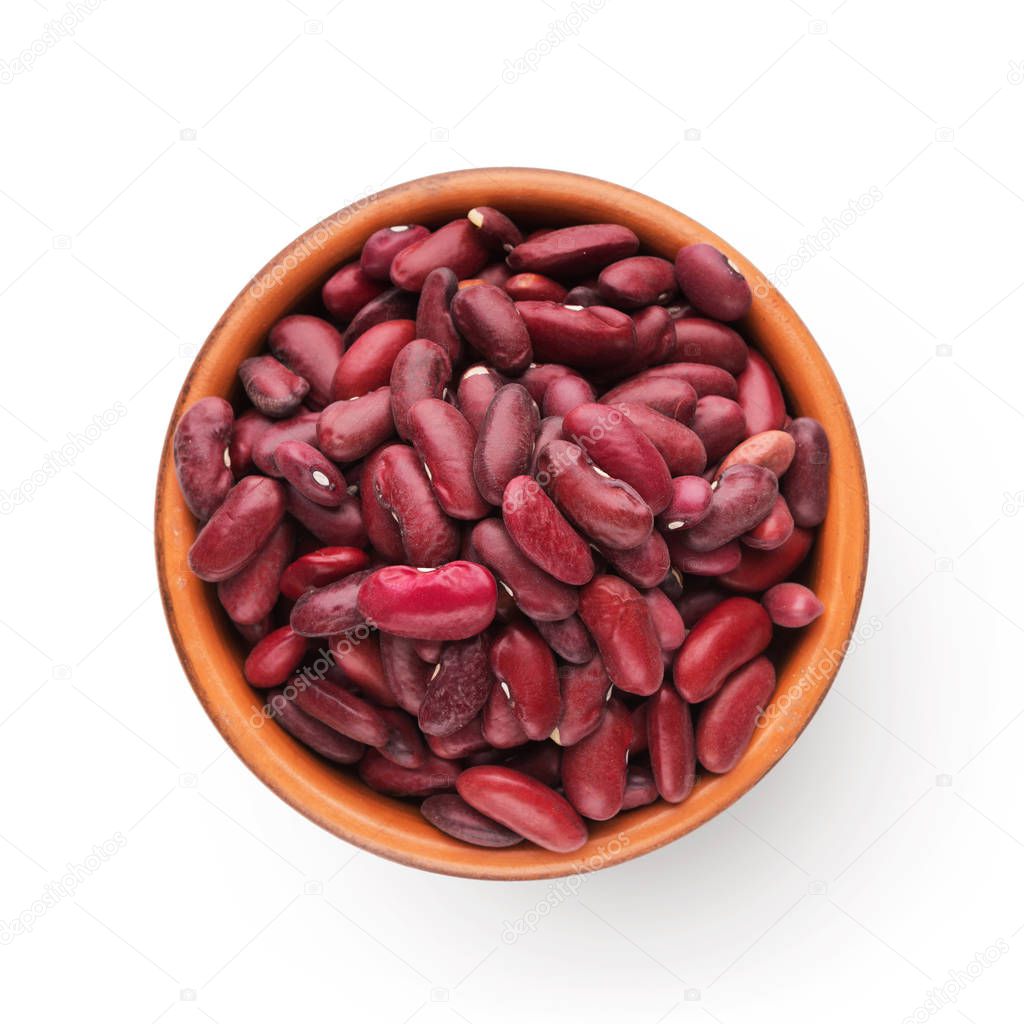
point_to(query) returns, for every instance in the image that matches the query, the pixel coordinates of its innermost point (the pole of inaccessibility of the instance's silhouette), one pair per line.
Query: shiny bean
(312, 732)
(477, 388)
(336, 706)
(248, 429)
(792, 605)
(452, 815)
(760, 396)
(757, 571)
(585, 690)
(525, 670)
(393, 304)
(706, 341)
(689, 504)
(271, 386)
(435, 775)
(678, 445)
(805, 485)
(568, 638)
(367, 364)
(312, 474)
(380, 249)
(728, 720)
(672, 398)
(620, 622)
(239, 527)
(523, 287)
(421, 370)
(644, 566)
(637, 281)
(458, 245)
(727, 637)
(338, 527)
(275, 657)
(711, 282)
(702, 563)
(504, 447)
(201, 458)
(352, 428)
(250, 595)
(720, 424)
(297, 428)
(743, 496)
(668, 623)
(433, 313)
(357, 660)
(331, 608)
(594, 768)
(588, 338)
(697, 602)
(772, 449)
(574, 251)
(311, 348)
(489, 320)
(349, 290)
(499, 724)
(496, 227)
(454, 602)
(773, 531)
(641, 788)
(524, 805)
(458, 688)
(670, 740)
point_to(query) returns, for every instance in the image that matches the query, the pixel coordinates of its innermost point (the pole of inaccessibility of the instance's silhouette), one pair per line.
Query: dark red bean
(678, 445)
(773, 531)
(702, 563)
(313, 733)
(271, 386)
(668, 623)
(435, 775)
(525, 670)
(565, 393)
(588, 338)
(381, 526)
(337, 527)
(673, 398)
(454, 602)
(499, 724)
(496, 227)
(458, 688)
(757, 571)
(352, 428)
(342, 710)
(348, 291)
(433, 314)
(384, 245)
(458, 245)
(584, 295)
(728, 720)
(691, 500)
(743, 496)
(248, 429)
(297, 428)
(239, 527)
(550, 429)
(760, 396)
(805, 485)
(477, 388)
(452, 815)
(312, 474)
(655, 336)
(792, 605)
(505, 445)
(641, 789)
(250, 595)
(495, 273)
(637, 281)
(524, 805)
(488, 319)
(523, 287)
(405, 744)
(594, 769)
(393, 304)
(728, 636)
(406, 673)
(574, 251)
(702, 377)
(275, 657)
(311, 348)
(357, 661)
(620, 622)
(671, 743)
(711, 282)
(367, 364)
(201, 458)
(720, 424)
(638, 719)
(585, 690)
(462, 743)
(696, 603)
(331, 608)
(706, 341)
(568, 638)
(421, 370)
(645, 566)
(541, 761)
(256, 632)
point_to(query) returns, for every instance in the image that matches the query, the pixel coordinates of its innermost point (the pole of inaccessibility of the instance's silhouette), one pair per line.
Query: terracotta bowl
(212, 653)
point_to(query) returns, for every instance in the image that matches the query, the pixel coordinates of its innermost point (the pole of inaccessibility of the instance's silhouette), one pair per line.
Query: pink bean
(668, 623)
(760, 396)
(505, 445)
(568, 638)
(672, 398)
(452, 815)
(271, 386)
(488, 319)
(275, 657)
(297, 428)
(805, 485)
(477, 388)
(743, 496)
(757, 571)
(523, 287)
(711, 282)
(594, 769)
(310, 731)
(585, 690)
(433, 314)
(352, 428)
(458, 688)
(677, 444)
(201, 458)
(706, 341)
(671, 742)
(312, 474)
(384, 245)
(421, 370)
(792, 605)
(644, 566)
(367, 364)
(406, 673)
(348, 290)
(338, 527)
(435, 775)
(525, 670)
(311, 348)
(773, 531)
(589, 338)
(637, 281)
(496, 227)
(329, 609)
(720, 424)
(250, 595)
(690, 503)
(458, 245)
(393, 304)
(574, 251)
(728, 720)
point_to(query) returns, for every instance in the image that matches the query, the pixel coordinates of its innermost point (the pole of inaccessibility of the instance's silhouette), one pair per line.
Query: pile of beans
(454, 522)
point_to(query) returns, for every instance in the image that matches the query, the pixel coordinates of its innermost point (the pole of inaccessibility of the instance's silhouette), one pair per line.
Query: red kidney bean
(338, 527)
(728, 720)
(495, 273)
(450, 814)
(550, 429)
(720, 423)
(622, 450)
(760, 570)
(421, 370)
(681, 311)
(671, 743)
(499, 724)
(525, 670)
(744, 495)
(728, 636)
(311, 348)
(541, 761)
(406, 673)
(568, 638)
(271, 386)
(637, 281)
(543, 534)
(393, 304)
(498, 229)
(348, 291)
(668, 623)
(594, 768)
(565, 393)
(463, 742)
(352, 428)
(488, 319)
(433, 314)
(357, 660)
(297, 428)
(702, 377)
(201, 458)
(606, 510)
(702, 563)
(381, 526)
(584, 295)
(428, 650)
(477, 388)
(239, 527)
(367, 365)
(256, 632)
(402, 488)
(311, 474)
(792, 605)
(538, 595)
(313, 733)
(384, 245)
(574, 251)
(458, 688)
(524, 805)
(433, 776)
(641, 789)
(331, 608)
(677, 444)
(405, 744)
(275, 657)
(672, 585)
(589, 338)
(644, 566)
(690, 503)
(585, 690)
(805, 486)
(697, 602)
(711, 282)
(655, 336)
(772, 449)
(706, 341)
(760, 396)
(638, 720)
(773, 531)
(250, 595)
(523, 287)
(674, 398)
(505, 445)
(336, 706)
(454, 602)
(458, 245)
(248, 428)
(620, 622)
(538, 377)
(445, 442)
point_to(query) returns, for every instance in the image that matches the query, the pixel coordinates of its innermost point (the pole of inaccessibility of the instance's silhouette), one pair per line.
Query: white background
(162, 153)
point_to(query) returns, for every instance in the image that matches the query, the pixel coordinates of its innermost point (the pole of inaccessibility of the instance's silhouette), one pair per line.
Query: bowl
(212, 653)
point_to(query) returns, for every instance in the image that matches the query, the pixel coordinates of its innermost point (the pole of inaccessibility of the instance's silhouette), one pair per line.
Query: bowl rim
(340, 803)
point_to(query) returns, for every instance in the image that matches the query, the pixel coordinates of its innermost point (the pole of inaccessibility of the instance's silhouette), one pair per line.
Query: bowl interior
(212, 653)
